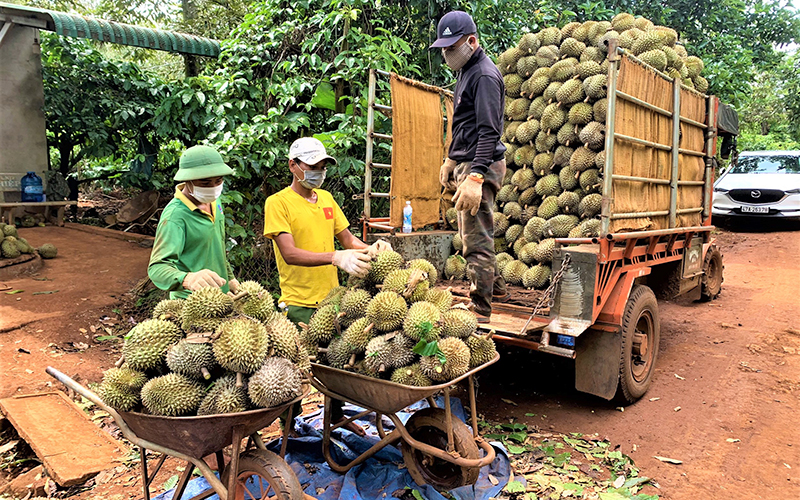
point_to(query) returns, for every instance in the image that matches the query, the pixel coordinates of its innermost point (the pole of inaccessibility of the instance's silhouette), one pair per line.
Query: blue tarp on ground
(377, 476)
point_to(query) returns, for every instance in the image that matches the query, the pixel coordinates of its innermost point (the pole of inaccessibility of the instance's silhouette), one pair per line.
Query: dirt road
(725, 395)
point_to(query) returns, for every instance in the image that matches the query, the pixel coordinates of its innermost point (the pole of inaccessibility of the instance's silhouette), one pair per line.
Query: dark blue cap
(452, 26)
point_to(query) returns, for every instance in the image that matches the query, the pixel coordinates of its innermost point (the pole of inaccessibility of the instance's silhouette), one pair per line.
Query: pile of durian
(12, 245)
(554, 133)
(209, 354)
(394, 324)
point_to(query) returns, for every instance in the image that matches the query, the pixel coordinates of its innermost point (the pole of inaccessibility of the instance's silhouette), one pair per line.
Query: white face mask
(313, 179)
(206, 194)
(458, 57)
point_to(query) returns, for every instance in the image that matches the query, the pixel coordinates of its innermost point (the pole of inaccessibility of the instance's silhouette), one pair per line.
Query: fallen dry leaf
(733, 440)
(793, 331)
(508, 401)
(618, 482)
(679, 377)
(493, 480)
(677, 408)
(727, 325)
(668, 460)
(654, 399)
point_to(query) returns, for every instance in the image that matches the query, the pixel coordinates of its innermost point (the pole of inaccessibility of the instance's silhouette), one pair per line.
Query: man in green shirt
(189, 249)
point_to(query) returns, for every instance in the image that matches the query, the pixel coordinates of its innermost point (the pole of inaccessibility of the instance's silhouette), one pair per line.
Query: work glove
(446, 171)
(468, 195)
(233, 285)
(202, 279)
(378, 247)
(355, 262)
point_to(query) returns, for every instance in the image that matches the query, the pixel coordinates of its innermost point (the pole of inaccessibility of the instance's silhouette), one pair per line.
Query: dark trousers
(477, 235)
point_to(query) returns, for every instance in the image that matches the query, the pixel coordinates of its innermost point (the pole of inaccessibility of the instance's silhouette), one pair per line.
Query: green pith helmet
(201, 162)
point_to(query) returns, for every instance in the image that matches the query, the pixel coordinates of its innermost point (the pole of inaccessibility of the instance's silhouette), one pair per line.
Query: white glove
(446, 171)
(355, 262)
(378, 247)
(202, 279)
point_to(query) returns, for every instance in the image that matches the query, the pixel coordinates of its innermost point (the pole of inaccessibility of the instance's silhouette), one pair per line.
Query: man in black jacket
(475, 164)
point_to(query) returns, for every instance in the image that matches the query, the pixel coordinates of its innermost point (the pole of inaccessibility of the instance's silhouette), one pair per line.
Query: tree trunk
(190, 62)
(764, 128)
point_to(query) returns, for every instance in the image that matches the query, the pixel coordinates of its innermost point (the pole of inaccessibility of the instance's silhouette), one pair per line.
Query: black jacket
(478, 104)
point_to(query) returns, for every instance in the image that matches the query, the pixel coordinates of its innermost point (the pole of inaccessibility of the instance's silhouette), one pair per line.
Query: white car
(761, 183)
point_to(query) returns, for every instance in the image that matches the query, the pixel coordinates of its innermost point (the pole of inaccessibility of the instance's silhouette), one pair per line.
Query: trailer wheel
(429, 427)
(263, 474)
(711, 283)
(641, 331)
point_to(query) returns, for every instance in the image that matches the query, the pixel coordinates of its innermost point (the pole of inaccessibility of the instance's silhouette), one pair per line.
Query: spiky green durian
(549, 207)
(322, 325)
(338, 353)
(593, 54)
(169, 309)
(599, 109)
(455, 267)
(563, 70)
(125, 377)
(568, 177)
(386, 311)
(523, 179)
(570, 92)
(623, 21)
(580, 114)
(400, 282)
(593, 135)
(146, 344)
(442, 299)
(284, 341)
(655, 58)
(523, 157)
(582, 159)
(533, 229)
(358, 335)
(507, 193)
(526, 253)
(545, 141)
(537, 108)
(257, 304)
(547, 55)
(458, 245)
(513, 271)
(559, 226)
(354, 304)
(650, 40)
(537, 276)
(118, 396)
(603, 40)
(700, 84)
(568, 29)
(513, 83)
(581, 33)
(553, 117)
(423, 322)
(512, 210)
(191, 359)
(224, 397)
(548, 185)
(172, 395)
(519, 245)
(9, 248)
(598, 30)
(545, 249)
(207, 303)
(526, 198)
(451, 215)
(568, 202)
(590, 180)
(526, 66)
(550, 92)
(386, 262)
(595, 86)
(550, 36)
(456, 361)
(241, 345)
(529, 43)
(276, 382)
(590, 228)
(518, 109)
(459, 322)
(587, 69)
(567, 135)
(572, 48)
(481, 349)
(411, 375)
(590, 205)
(527, 131)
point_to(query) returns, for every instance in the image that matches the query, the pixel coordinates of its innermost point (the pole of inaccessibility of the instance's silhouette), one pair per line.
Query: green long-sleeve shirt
(188, 240)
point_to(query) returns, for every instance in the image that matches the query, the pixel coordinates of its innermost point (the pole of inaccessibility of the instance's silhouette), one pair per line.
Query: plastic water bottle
(407, 217)
(32, 190)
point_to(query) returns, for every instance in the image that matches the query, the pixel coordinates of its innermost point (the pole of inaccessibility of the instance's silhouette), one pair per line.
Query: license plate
(755, 210)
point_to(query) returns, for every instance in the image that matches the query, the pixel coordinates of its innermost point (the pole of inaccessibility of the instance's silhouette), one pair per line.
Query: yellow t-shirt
(313, 226)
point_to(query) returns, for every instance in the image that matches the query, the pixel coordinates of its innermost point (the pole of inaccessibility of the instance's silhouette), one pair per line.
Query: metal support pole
(370, 143)
(676, 138)
(7, 25)
(710, 135)
(608, 168)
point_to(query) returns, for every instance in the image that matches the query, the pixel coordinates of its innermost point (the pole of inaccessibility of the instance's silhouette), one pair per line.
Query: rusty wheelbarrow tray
(192, 438)
(437, 447)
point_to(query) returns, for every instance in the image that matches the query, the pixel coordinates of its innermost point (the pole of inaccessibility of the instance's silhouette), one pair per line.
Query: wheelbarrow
(438, 448)
(252, 473)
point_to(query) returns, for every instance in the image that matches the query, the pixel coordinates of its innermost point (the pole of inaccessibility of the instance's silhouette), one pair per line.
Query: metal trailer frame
(370, 222)
(593, 298)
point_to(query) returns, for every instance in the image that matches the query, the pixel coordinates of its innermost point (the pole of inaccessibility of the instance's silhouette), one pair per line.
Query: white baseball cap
(309, 150)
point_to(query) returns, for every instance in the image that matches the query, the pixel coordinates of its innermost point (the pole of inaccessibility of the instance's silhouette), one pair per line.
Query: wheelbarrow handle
(83, 391)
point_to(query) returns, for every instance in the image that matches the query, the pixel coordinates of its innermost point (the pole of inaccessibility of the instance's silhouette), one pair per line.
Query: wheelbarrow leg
(448, 422)
(285, 439)
(472, 409)
(234, 465)
(183, 481)
(220, 462)
(145, 479)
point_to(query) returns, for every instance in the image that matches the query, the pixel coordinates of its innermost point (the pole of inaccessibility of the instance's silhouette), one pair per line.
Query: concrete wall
(23, 144)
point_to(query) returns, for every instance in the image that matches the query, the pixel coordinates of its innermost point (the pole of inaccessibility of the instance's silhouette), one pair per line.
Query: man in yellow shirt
(302, 222)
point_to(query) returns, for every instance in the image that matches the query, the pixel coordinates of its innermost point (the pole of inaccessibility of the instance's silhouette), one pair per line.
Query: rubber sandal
(501, 298)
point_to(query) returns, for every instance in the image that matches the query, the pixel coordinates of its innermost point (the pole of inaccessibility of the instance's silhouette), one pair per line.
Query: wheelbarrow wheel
(428, 426)
(263, 474)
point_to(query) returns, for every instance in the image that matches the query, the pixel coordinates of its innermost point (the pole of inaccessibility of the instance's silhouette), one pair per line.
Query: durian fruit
(550, 36)
(571, 47)
(191, 359)
(529, 43)
(121, 388)
(284, 341)
(386, 311)
(172, 395)
(700, 84)
(568, 177)
(224, 397)
(338, 353)
(593, 135)
(519, 245)
(650, 40)
(553, 117)
(623, 21)
(547, 55)
(481, 349)
(590, 205)
(458, 322)
(426, 266)
(502, 259)
(595, 87)
(590, 228)
(526, 133)
(643, 24)
(513, 272)
(353, 306)
(423, 322)
(513, 232)
(378, 355)
(600, 109)
(545, 249)
(507, 194)
(655, 58)
(24, 246)
(526, 253)
(582, 159)
(512, 210)
(543, 164)
(455, 267)
(568, 29)
(528, 213)
(570, 92)
(458, 245)
(548, 185)
(456, 361)
(169, 309)
(507, 61)
(523, 179)
(537, 277)
(442, 299)
(334, 296)
(559, 226)
(593, 54)
(386, 262)
(257, 304)
(549, 208)
(588, 68)
(322, 325)
(411, 284)
(590, 180)
(537, 106)
(411, 375)
(500, 224)
(513, 83)
(358, 335)
(568, 202)
(10, 230)
(206, 303)
(452, 218)
(545, 141)
(563, 70)
(146, 344)
(533, 229)
(518, 109)
(241, 345)
(276, 382)
(9, 248)
(126, 377)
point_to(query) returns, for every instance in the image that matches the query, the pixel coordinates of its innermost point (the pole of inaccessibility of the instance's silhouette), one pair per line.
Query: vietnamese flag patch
(328, 212)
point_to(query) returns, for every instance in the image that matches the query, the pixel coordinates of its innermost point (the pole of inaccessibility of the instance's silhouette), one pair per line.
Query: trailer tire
(272, 469)
(429, 426)
(711, 282)
(641, 332)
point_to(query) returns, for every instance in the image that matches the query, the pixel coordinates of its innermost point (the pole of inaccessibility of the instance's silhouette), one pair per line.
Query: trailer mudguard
(597, 362)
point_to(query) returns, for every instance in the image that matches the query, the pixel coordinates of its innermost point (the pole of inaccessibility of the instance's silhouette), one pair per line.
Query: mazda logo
(755, 193)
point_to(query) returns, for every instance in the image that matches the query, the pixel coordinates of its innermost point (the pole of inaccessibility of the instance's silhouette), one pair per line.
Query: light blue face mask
(313, 179)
